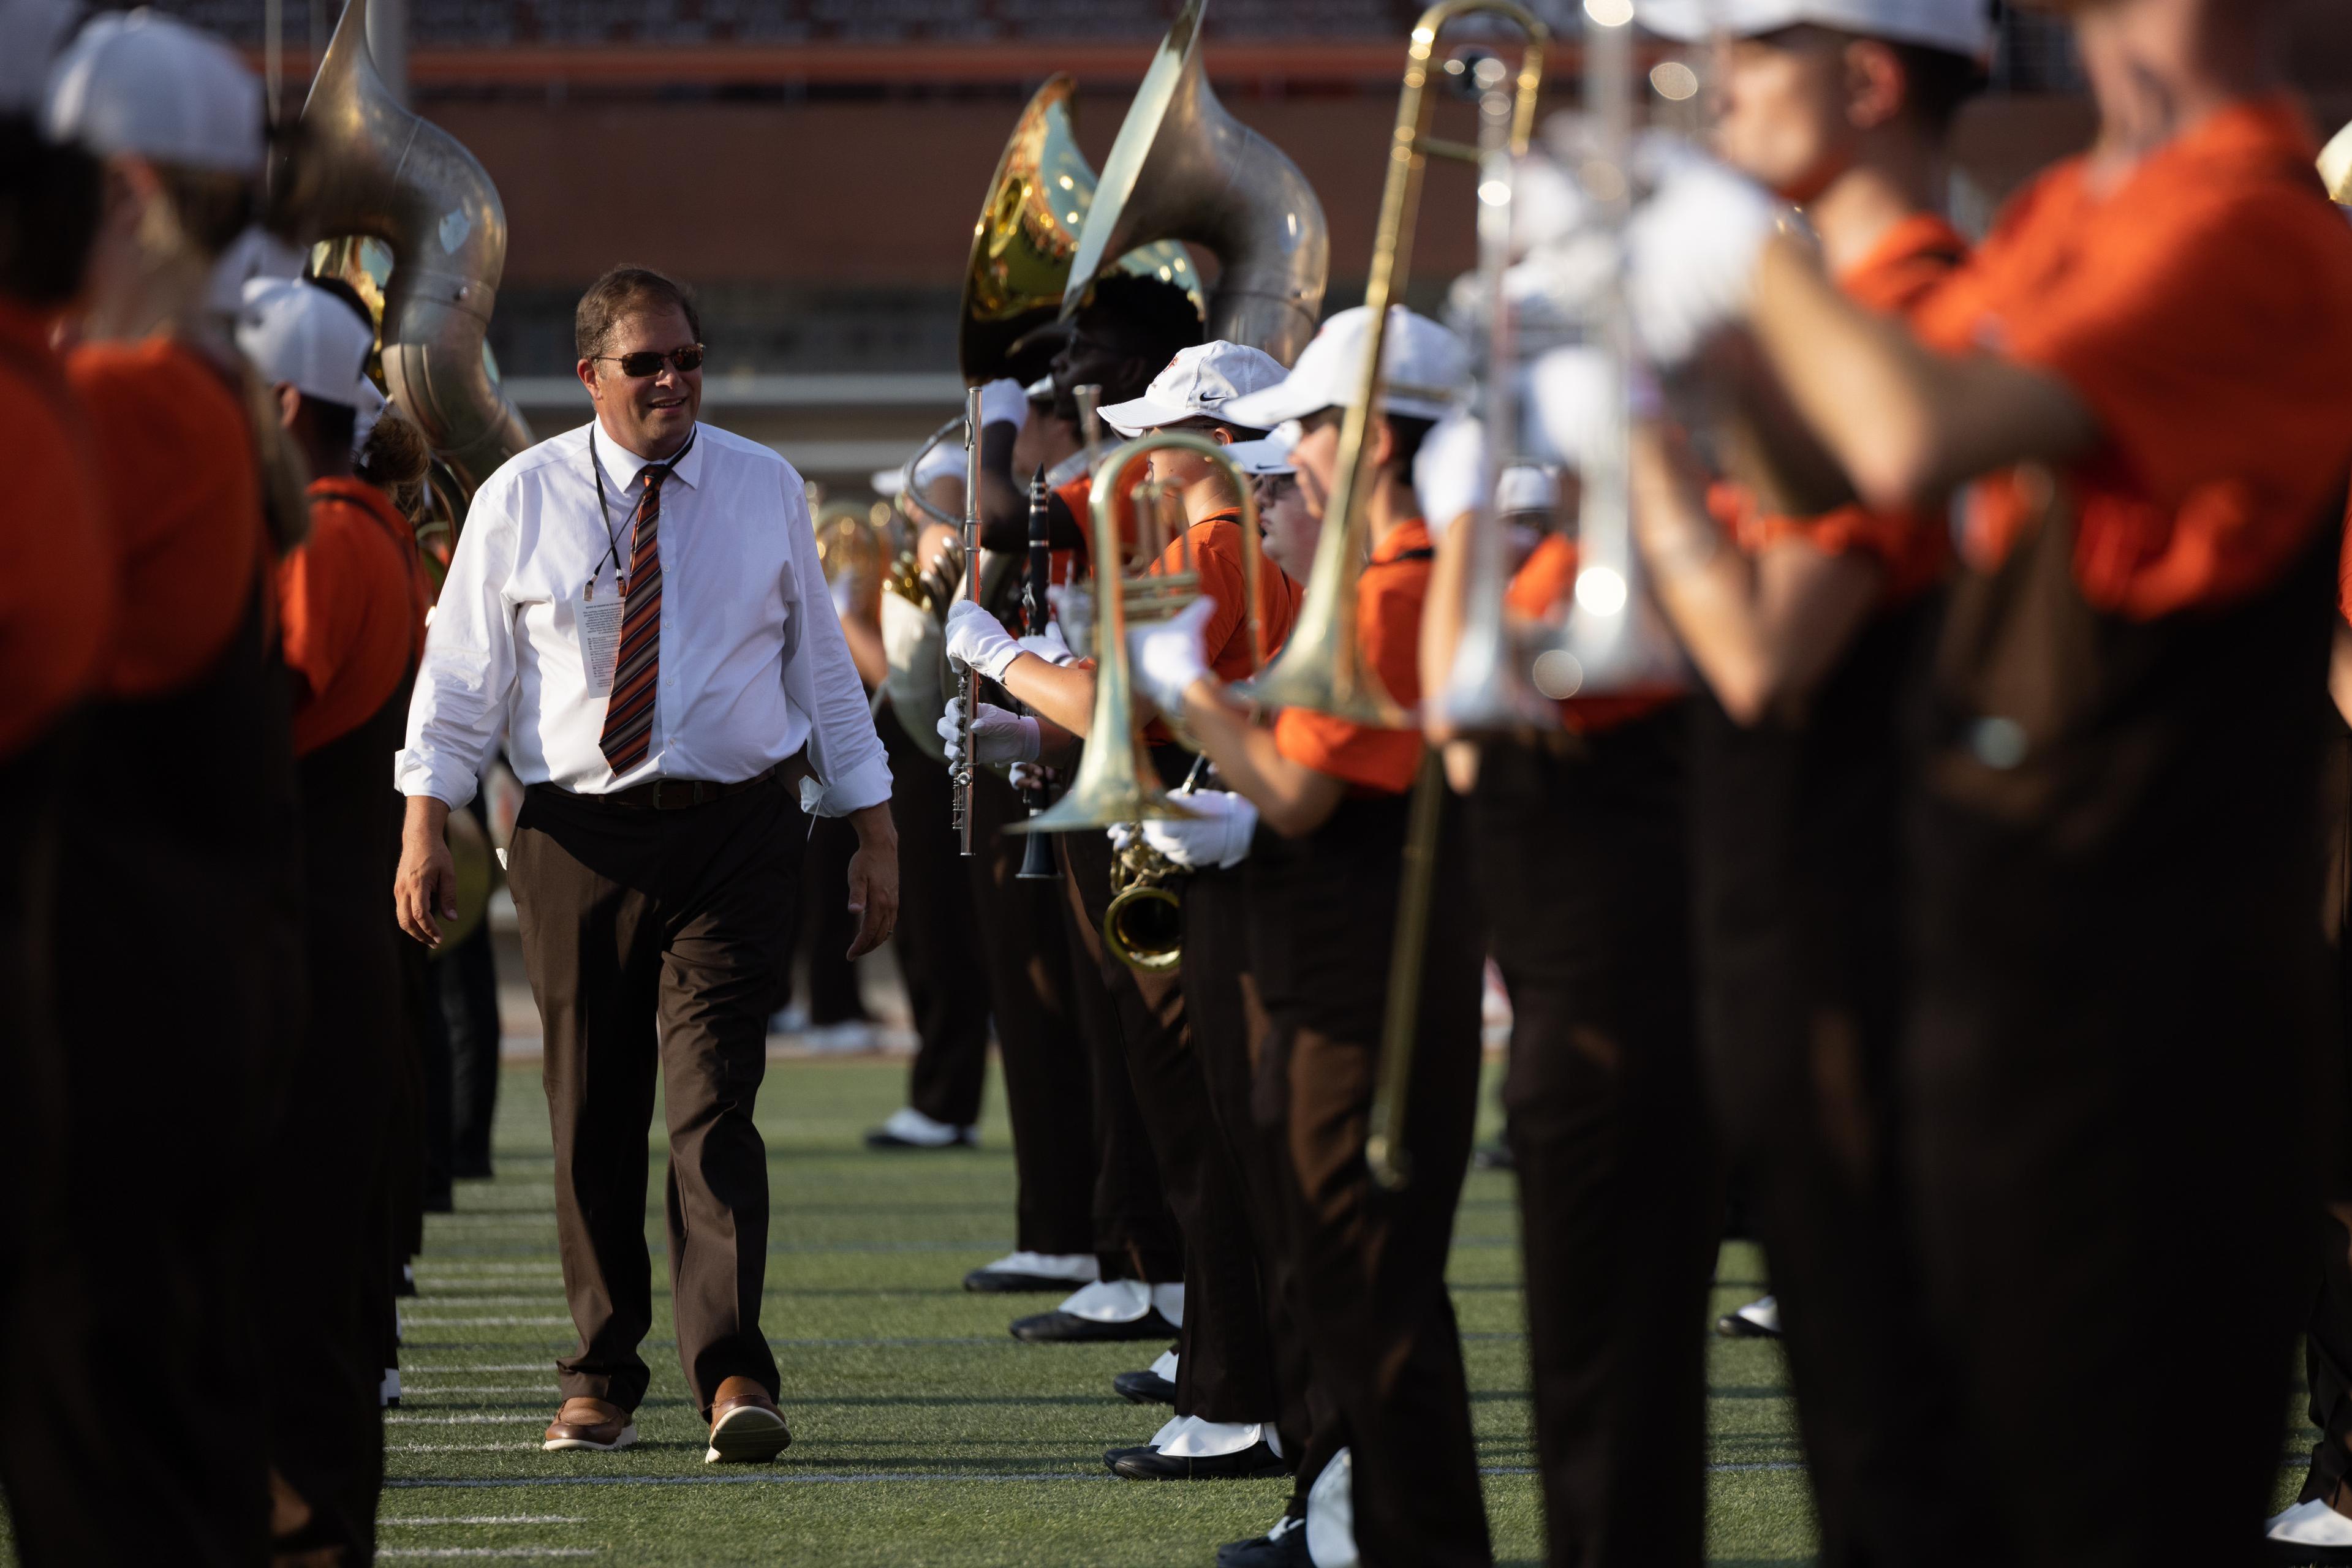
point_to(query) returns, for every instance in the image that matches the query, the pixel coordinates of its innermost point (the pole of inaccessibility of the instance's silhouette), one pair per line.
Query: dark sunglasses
(648, 362)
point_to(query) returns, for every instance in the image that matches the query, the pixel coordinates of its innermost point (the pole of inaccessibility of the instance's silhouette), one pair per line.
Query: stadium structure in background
(821, 158)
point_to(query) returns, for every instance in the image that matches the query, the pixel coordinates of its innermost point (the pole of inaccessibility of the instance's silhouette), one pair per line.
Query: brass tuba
(1184, 169)
(369, 168)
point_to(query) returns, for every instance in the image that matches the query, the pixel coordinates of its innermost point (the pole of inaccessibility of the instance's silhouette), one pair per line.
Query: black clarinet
(1037, 861)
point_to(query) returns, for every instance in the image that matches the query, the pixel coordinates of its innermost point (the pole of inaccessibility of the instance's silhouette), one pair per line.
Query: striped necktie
(629, 717)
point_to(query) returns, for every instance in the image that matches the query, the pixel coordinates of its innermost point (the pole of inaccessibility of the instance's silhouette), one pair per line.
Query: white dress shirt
(753, 666)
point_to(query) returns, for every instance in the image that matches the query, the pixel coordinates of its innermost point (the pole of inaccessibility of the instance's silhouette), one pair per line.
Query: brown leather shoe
(745, 1424)
(590, 1424)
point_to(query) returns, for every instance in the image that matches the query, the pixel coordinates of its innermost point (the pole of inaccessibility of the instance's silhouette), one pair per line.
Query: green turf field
(923, 1433)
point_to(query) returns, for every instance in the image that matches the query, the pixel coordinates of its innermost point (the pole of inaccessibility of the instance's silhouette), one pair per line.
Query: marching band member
(677, 700)
(1121, 336)
(1803, 636)
(352, 601)
(2115, 981)
(1324, 869)
(1225, 1395)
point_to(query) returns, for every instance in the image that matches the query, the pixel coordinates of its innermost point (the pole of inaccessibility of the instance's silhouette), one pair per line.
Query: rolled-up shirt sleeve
(843, 749)
(459, 707)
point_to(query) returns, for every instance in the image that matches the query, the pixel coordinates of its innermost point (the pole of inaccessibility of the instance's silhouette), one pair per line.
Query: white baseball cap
(1962, 27)
(30, 32)
(145, 83)
(1200, 382)
(1269, 454)
(297, 334)
(1426, 371)
(1526, 487)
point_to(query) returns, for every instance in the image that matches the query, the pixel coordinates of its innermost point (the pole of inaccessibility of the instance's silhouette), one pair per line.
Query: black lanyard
(604, 509)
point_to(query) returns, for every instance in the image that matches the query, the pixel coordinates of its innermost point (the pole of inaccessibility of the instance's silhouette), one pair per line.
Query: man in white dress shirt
(638, 607)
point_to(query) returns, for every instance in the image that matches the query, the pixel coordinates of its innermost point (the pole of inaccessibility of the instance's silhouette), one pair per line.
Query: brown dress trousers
(1581, 867)
(1371, 1264)
(654, 939)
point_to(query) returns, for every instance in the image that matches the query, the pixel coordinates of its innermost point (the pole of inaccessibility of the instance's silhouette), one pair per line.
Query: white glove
(1028, 776)
(1692, 250)
(1449, 473)
(1166, 655)
(1220, 837)
(1005, 401)
(998, 738)
(1049, 646)
(1074, 612)
(978, 641)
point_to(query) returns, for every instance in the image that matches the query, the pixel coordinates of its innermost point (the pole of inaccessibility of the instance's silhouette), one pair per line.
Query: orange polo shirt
(57, 559)
(1389, 598)
(184, 502)
(2203, 311)
(351, 600)
(1217, 552)
(1910, 261)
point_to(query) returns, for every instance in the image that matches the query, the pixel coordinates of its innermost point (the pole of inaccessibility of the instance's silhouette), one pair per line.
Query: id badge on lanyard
(598, 618)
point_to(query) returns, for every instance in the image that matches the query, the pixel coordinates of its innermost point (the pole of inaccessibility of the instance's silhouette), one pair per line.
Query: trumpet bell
(1028, 231)
(1184, 169)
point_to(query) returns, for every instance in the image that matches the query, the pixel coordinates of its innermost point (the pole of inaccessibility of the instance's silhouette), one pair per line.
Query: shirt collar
(622, 465)
(1412, 534)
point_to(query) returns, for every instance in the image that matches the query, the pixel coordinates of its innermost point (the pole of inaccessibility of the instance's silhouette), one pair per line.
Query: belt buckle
(666, 800)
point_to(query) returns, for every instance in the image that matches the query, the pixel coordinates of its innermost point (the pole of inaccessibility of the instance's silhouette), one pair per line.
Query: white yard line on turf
(483, 1518)
(415, 1391)
(405, 1418)
(526, 1445)
(489, 1551)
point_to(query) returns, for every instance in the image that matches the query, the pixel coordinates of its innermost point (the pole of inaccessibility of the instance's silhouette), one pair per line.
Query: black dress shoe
(1005, 1283)
(1731, 1325)
(1151, 1465)
(1068, 1328)
(1287, 1550)
(1143, 1388)
(1111, 1456)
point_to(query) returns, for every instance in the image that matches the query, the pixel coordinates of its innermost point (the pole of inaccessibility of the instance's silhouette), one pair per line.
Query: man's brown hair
(625, 291)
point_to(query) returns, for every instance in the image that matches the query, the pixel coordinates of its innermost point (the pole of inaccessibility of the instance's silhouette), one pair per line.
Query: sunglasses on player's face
(648, 362)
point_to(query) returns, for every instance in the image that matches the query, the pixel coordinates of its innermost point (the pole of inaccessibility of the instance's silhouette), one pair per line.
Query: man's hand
(425, 888)
(873, 878)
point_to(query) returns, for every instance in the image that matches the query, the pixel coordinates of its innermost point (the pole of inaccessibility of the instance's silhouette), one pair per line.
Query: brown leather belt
(679, 794)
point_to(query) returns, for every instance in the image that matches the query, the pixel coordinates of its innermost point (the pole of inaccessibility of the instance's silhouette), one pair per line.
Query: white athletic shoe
(1331, 1514)
(909, 1128)
(2314, 1524)
(1759, 1319)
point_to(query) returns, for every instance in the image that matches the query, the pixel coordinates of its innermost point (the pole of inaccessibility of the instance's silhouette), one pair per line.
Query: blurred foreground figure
(1804, 631)
(179, 832)
(352, 601)
(2117, 983)
(56, 614)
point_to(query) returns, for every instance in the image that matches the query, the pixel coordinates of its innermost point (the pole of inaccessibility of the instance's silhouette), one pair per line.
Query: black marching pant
(1582, 866)
(1371, 1264)
(654, 939)
(1797, 850)
(1049, 1094)
(1136, 1235)
(938, 952)
(1228, 1025)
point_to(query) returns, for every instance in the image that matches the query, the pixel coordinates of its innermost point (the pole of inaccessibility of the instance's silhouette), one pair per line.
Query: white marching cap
(30, 32)
(148, 84)
(1962, 27)
(1426, 371)
(1201, 383)
(299, 334)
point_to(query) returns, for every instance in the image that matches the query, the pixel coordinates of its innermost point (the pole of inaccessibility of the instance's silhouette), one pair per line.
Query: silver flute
(967, 683)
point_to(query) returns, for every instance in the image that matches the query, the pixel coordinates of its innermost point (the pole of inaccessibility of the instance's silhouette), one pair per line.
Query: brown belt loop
(681, 794)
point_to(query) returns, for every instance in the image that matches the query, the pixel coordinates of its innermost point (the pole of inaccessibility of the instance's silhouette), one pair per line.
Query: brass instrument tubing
(1384, 1150)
